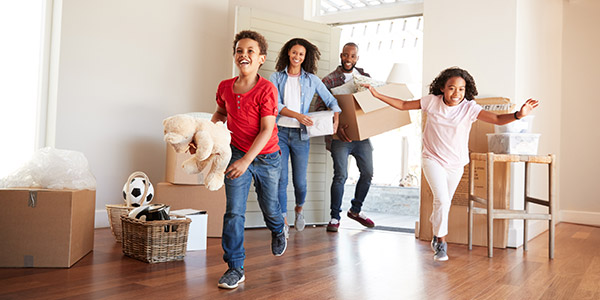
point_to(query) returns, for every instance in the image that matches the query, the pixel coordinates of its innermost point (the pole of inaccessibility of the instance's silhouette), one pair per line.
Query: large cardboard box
(367, 116)
(198, 197)
(46, 228)
(457, 220)
(174, 172)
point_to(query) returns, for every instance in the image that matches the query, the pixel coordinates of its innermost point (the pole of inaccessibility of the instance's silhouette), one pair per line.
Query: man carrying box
(342, 147)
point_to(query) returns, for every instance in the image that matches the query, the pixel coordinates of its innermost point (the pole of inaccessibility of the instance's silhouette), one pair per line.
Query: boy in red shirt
(249, 105)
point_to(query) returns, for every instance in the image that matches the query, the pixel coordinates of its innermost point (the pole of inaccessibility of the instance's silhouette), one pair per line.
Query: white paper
(322, 123)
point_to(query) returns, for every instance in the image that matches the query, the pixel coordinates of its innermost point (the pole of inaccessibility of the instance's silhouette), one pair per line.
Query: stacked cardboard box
(457, 220)
(182, 190)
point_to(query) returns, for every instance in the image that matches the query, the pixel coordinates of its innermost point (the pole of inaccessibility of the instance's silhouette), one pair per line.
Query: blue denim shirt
(309, 85)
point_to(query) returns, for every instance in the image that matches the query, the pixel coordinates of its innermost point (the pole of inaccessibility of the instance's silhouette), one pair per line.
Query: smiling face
(349, 57)
(297, 54)
(247, 56)
(454, 90)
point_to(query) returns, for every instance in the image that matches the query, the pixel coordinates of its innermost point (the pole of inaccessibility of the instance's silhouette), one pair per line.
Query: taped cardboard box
(457, 219)
(174, 172)
(196, 197)
(367, 116)
(46, 228)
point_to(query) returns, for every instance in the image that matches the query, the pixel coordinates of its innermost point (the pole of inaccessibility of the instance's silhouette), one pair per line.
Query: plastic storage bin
(513, 143)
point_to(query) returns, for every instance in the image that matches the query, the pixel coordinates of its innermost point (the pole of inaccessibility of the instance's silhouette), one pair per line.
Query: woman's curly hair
(439, 82)
(253, 35)
(310, 58)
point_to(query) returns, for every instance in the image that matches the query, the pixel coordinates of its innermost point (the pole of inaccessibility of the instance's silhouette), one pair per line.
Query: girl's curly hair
(310, 58)
(439, 82)
(253, 35)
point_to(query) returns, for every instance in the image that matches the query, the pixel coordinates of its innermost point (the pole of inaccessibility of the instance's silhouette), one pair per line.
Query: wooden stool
(511, 213)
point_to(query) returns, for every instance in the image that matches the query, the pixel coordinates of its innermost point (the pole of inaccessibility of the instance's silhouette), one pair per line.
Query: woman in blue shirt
(297, 83)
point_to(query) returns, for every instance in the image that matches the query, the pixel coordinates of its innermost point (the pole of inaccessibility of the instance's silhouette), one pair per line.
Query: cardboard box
(197, 231)
(174, 172)
(46, 228)
(458, 217)
(367, 116)
(197, 197)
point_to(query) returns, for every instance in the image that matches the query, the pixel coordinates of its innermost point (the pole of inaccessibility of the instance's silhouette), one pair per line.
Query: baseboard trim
(101, 219)
(580, 217)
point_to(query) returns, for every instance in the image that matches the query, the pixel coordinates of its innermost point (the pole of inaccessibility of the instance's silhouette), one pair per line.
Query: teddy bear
(211, 141)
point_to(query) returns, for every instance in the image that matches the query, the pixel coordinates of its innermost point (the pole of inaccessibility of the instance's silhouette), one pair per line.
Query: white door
(277, 30)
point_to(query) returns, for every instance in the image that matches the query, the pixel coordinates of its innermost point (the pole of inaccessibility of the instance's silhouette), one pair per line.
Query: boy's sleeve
(268, 103)
(219, 98)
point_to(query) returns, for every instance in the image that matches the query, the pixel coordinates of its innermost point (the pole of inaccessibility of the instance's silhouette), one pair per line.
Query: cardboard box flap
(368, 103)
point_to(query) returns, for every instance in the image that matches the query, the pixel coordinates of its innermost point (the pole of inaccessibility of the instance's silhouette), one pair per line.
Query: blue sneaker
(441, 252)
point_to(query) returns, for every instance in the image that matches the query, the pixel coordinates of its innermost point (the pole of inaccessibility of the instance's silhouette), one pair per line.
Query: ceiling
(336, 6)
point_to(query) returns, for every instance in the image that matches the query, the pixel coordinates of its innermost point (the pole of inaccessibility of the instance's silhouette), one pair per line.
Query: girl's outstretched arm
(394, 102)
(502, 119)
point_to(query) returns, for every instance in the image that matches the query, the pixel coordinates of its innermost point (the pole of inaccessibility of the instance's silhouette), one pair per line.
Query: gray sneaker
(299, 223)
(441, 252)
(434, 243)
(232, 278)
(278, 242)
(286, 230)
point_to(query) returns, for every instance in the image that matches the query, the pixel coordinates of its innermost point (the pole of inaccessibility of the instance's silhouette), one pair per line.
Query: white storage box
(197, 231)
(519, 126)
(513, 143)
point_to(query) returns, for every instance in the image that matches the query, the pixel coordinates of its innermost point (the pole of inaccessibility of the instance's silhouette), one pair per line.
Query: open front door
(278, 29)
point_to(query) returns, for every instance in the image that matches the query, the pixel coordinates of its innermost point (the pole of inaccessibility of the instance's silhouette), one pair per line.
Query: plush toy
(211, 141)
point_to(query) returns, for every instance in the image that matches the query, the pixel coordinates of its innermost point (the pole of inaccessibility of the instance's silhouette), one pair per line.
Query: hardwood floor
(350, 264)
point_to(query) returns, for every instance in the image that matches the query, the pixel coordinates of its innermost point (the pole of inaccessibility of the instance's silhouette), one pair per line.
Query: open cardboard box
(367, 116)
(46, 228)
(457, 219)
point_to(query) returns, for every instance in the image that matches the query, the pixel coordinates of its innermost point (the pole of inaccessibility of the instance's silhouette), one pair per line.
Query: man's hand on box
(341, 133)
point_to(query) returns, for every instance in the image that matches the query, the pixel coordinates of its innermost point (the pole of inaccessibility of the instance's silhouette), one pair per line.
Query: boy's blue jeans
(292, 146)
(265, 171)
(363, 153)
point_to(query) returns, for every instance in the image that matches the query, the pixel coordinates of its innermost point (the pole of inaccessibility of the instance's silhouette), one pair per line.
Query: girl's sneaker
(441, 252)
(434, 243)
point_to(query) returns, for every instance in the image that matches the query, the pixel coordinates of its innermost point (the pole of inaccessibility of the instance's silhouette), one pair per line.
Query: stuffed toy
(211, 143)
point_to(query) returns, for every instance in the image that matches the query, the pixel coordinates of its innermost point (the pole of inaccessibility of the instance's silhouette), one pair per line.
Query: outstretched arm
(502, 119)
(394, 102)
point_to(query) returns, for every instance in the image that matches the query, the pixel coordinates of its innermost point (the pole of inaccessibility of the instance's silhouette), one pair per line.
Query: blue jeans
(292, 146)
(363, 153)
(264, 169)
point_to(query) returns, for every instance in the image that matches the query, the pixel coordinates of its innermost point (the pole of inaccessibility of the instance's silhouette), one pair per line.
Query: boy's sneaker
(441, 252)
(278, 242)
(434, 243)
(232, 278)
(299, 223)
(361, 218)
(333, 225)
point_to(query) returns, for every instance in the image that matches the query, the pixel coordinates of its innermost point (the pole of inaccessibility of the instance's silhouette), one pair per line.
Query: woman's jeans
(363, 153)
(292, 146)
(264, 169)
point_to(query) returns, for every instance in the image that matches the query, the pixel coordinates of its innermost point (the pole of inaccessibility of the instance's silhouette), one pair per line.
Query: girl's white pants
(443, 183)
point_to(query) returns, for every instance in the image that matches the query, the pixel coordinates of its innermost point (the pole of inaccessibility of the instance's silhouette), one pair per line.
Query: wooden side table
(492, 213)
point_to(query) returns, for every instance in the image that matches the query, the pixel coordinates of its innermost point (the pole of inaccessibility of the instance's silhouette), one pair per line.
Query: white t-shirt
(446, 133)
(292, 101)
(350, 76)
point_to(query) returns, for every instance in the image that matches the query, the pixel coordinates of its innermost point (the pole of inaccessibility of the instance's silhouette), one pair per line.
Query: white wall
(124, 67)
(580, 137)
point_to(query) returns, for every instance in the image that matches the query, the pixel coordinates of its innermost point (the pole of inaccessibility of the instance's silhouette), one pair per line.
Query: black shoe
(278, 243)
(232, 278)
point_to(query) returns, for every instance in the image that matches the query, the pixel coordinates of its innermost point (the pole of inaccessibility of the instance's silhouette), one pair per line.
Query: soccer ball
(136, 191)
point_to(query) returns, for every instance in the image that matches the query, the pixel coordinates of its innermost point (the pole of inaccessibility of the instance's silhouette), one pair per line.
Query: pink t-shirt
(446, 133)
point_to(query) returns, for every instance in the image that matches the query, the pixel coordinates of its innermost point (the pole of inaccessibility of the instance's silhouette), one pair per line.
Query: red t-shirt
(244, 112)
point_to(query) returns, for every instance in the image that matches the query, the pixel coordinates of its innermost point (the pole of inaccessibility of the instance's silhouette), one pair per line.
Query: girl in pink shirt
(450, 113)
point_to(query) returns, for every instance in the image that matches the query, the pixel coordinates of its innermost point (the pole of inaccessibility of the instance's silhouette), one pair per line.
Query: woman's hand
(529, 105)
(370, 88)
(304, 120)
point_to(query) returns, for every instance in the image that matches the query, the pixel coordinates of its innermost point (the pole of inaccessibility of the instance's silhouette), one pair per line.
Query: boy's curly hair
(311, 56)
(253, 35)
(439, 82)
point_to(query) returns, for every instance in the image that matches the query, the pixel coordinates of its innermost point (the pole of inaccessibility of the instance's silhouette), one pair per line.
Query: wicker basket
(155, 241)
(115, 211)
